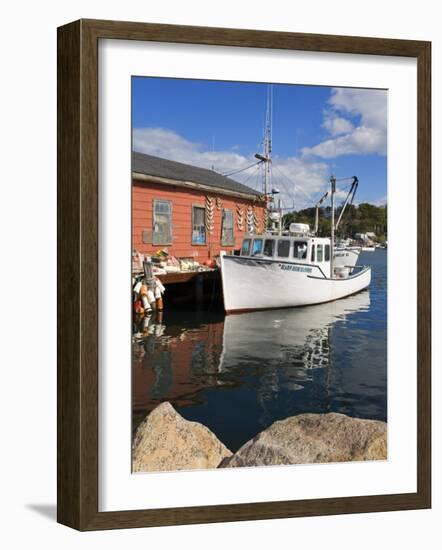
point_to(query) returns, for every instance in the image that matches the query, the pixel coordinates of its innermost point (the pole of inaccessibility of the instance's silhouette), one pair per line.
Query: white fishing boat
(294, 268)
(280, 271)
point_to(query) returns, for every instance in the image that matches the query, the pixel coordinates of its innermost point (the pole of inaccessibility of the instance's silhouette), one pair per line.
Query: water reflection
(266, 352)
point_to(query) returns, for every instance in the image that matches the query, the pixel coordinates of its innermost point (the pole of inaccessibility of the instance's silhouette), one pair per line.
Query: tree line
(362, 218)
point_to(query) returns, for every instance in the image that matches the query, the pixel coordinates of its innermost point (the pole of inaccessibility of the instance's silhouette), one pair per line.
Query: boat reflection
(187, 354)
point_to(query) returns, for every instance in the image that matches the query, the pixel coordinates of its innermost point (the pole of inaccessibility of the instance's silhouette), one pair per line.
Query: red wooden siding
(182, 200)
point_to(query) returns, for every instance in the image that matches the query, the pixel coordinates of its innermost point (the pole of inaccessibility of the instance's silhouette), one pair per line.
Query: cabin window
(300, 250)
(162, 222)
(245, 249)
(319, 253)
(312, 257)
(227, 236)
(257, 247)
(198, 225)
(269, 247)
(327, 253)
(283, 248)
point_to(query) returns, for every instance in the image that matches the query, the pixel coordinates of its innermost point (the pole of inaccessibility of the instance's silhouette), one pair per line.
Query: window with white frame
(162, 222)
(198, 225)
(227, 235)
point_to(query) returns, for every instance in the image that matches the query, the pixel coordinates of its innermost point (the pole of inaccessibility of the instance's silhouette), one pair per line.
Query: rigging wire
(227, 174)
(292, 183)
(254, 173)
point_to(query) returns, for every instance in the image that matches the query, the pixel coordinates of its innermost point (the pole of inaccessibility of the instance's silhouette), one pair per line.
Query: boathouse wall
(181, 201)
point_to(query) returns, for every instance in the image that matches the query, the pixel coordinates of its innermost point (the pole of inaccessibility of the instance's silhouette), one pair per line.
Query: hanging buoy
(151, 297)
(146, 304)
(138, 307)
(144, 291)
(146, 322)
(160, 286)
(158, 299)
(137, 287)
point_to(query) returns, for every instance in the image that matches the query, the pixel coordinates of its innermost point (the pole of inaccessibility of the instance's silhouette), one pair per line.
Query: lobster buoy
(138, 307)
(146, 304)
(210, 262)
(158, 299)
(151, 297)
(144, 297)
(146, 322)
(159, 285)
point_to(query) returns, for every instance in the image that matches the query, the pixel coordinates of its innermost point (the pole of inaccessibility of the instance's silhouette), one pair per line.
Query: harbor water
(239, 374)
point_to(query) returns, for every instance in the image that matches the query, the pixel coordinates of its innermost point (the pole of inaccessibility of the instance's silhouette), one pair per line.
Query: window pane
(319, 253)
(227, 235)
(300, 250)
(245, 250)
(269, 247)
(257, 247)
(327, 253)
(198, 225)
(312, 259)
(283, 248)
(162, 222)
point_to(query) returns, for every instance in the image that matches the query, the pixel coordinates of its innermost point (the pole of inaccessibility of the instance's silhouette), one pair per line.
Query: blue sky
(316, 131)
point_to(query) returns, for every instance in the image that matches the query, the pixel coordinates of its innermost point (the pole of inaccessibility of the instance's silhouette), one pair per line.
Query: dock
(191, 288)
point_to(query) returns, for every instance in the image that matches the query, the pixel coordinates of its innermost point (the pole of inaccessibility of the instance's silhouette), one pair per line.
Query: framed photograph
(243, 275)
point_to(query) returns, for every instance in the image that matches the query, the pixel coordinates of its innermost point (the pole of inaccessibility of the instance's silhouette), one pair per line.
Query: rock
(165, 441)
(308, 438)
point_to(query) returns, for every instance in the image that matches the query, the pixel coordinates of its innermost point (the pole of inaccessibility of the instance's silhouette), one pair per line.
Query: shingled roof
(171, 170)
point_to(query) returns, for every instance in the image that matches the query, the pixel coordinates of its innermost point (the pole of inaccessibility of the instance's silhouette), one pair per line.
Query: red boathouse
(191, 212)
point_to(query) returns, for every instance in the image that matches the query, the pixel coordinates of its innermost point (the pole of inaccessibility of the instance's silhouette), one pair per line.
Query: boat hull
(254, 284)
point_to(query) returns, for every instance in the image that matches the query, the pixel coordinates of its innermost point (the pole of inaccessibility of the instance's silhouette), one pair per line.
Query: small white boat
(280, 271)
(346, 255)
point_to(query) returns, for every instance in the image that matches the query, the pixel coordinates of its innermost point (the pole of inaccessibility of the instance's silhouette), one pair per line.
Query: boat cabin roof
(305, 248)
(291, 237)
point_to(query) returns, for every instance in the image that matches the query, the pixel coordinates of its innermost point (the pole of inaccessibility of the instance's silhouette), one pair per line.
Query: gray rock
(308, 438)
(165, 441)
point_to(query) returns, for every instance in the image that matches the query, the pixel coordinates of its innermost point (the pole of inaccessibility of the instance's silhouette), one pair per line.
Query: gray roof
(163, 168)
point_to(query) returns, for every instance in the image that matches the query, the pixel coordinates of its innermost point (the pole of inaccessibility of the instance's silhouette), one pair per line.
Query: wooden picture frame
(78, 274)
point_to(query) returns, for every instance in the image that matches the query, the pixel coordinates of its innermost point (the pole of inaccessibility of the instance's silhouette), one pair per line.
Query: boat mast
(317, 205)
(266, 156)
(267, 146)
(332, 232)
(349, 199)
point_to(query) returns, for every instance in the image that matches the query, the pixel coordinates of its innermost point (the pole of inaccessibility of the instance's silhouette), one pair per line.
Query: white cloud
(170, 145)
(335, 124)
(299, 180)
(357, 123)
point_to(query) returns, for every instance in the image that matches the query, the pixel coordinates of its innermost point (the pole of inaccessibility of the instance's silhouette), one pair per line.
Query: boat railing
(355, 268)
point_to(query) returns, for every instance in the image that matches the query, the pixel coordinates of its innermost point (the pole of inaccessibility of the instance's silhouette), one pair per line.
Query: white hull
(251, 284)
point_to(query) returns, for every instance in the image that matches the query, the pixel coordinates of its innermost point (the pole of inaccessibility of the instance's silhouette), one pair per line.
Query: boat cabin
(290, 249)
